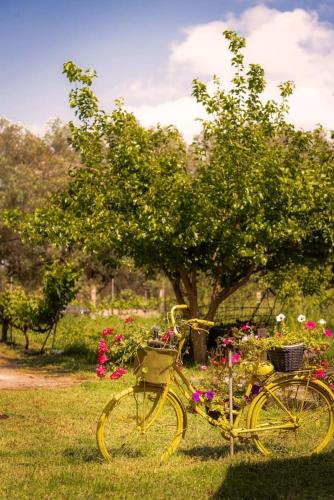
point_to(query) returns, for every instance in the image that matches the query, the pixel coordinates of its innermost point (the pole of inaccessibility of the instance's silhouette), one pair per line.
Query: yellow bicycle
(291, 415)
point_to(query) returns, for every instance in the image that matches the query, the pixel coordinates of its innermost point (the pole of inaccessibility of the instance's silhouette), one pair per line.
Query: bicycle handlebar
(193, 322)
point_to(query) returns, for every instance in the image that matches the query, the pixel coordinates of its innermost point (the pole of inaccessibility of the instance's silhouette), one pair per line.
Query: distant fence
(263, 315)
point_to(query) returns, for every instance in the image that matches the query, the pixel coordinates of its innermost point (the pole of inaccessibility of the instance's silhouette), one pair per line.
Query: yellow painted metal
(154, 365)
(261, 368)
(144, 424)
(298, 412)
(159, 370)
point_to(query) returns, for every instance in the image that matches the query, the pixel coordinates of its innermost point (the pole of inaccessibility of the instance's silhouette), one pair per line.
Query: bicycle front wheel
(134, 425)
(293, 418)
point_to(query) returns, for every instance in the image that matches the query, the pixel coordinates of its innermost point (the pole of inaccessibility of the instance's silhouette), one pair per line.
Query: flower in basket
(117, 349)
(313, 335)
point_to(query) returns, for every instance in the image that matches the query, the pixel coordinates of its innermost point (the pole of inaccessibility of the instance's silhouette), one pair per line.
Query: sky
(148, 51)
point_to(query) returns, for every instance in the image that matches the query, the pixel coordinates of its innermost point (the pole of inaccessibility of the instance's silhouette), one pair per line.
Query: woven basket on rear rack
(154, 365)
(287, 358)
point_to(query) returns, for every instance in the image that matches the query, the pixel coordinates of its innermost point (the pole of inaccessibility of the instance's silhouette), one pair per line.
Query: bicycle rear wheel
(306, 410)
(131, 425)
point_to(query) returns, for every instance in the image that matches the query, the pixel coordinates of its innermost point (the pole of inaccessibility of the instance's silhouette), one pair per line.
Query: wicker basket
(154, 365)
(287, 358)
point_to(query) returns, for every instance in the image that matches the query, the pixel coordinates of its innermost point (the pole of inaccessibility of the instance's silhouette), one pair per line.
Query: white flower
(301, 318)
(280, 318)
(245, 338)
(322, 321)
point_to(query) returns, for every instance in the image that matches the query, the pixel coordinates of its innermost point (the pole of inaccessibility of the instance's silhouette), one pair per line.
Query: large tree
(252, 193)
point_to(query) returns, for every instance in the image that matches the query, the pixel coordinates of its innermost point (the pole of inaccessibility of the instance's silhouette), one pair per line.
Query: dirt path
(14, 377)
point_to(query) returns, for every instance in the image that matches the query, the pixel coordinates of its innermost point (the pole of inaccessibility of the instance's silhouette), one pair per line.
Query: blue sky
(139, 49)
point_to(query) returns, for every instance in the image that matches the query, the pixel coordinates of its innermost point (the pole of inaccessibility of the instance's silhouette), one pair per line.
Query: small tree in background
(251, 195)
(39, 311)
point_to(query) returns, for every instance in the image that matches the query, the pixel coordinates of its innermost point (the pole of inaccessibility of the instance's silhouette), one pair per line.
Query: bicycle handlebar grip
(205, 322)
(175, 308)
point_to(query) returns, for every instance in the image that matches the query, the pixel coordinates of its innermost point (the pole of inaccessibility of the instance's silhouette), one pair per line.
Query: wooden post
(162, 300)
(230, 396)
(93, 295)
(112, 295)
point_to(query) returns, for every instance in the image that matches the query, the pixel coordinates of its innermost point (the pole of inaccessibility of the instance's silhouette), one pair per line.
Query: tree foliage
(251, 195)
(39, 311)
(31, 168)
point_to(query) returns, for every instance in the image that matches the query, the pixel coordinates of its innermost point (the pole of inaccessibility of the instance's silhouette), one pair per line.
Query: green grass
(77, 338)
(48, 448)
(48, 451)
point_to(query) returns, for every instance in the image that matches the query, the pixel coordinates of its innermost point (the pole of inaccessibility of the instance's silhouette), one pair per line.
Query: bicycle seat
(258, 368)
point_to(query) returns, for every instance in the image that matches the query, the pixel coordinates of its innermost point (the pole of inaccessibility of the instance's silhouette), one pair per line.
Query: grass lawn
(48, 450)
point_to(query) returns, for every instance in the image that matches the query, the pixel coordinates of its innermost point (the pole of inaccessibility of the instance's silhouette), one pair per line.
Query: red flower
(236, 358)
(118, 373)
(118, 338)
(324, 363)
(102, 358)
(223, 360)
(320, 373)
(122, 371)
(167, 336)
(245, 327)
(103, 347)
(107, 331)
(228, 341)
(101, 371)
(129, 319)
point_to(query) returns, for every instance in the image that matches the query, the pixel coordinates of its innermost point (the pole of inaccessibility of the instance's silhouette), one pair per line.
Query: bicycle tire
(311, 408)
(122, 432)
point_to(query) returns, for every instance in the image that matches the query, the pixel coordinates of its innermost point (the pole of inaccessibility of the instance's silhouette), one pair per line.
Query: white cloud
(180, 112)
(292, 45)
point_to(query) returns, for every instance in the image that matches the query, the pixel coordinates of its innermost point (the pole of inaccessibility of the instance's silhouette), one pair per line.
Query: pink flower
(101, 371)
(102, 358)
(228, 341)
(107, 331)
(129, 319)
(118, 373)
(103, 347)
(328, 333)
(203, 367)
(118, 338)
(167, 336)
(319, 373)
(122, 371)
(236, 358)
(245, 327)
(310, 325)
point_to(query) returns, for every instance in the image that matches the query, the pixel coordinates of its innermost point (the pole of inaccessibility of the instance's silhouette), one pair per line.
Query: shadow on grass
(77, 357)
(81, 454)
(213, 452)
(205, 452)
(301, 478)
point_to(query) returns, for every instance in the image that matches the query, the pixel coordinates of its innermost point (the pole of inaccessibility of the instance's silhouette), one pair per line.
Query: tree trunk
(4, 333)
(185, 285)
(26, 338)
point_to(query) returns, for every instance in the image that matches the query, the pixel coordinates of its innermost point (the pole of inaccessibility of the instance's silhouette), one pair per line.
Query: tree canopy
(251, 195)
